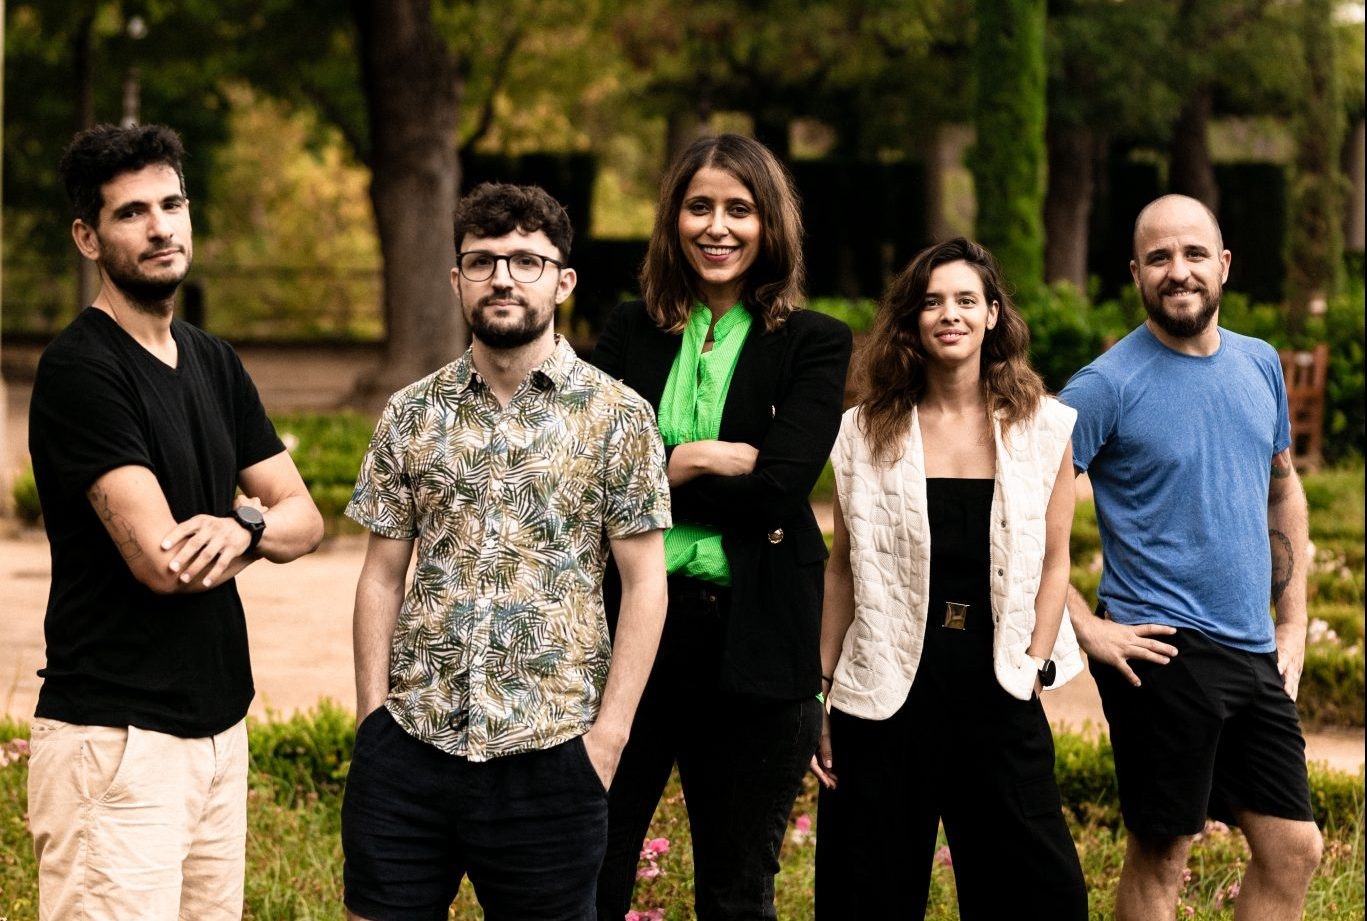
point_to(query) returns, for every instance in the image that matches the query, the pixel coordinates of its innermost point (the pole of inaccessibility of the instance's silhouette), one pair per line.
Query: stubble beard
(152, 296)
(1184, 326)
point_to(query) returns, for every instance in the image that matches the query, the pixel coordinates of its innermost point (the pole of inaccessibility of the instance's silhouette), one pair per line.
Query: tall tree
(1008, 159)
(1315, 240)
(1103, 88)
(412, 98)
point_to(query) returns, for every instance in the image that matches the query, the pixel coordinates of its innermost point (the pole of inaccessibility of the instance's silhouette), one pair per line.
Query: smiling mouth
(717, 252)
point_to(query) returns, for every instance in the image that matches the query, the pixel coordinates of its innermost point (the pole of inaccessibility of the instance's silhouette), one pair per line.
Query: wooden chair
(1305, 373)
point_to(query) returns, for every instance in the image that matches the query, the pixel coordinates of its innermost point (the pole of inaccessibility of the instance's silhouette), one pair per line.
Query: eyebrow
(141, 203)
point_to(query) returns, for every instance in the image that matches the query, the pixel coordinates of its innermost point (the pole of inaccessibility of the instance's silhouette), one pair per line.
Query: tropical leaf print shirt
(501, 644)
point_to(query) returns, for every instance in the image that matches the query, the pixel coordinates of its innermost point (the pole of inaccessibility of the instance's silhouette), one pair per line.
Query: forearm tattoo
(1281, 468)
(119, 527)
(1283, 562)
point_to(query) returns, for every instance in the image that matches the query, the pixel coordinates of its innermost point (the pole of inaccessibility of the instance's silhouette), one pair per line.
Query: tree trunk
(1190, 171)
(412, 99)
(1068, 204)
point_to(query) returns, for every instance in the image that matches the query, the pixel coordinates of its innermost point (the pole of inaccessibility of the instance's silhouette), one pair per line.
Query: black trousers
(741, 762)
(963, 750)
(527, 829)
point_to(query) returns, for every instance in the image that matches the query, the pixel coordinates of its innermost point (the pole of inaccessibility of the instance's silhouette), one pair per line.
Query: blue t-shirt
(1179, 451)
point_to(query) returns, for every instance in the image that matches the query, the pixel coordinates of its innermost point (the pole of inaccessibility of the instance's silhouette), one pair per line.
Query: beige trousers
(133, 824)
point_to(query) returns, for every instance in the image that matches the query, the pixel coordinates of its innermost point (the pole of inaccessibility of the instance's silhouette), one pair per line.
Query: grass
(294, 855)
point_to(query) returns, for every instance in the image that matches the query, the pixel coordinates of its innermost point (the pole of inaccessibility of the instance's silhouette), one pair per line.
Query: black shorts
(1211, 733)
(528, 829)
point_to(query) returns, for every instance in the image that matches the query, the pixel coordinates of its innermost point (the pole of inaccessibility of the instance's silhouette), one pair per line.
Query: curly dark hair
(98, 154)
(892, 366)
(775, 285)
(495, 209)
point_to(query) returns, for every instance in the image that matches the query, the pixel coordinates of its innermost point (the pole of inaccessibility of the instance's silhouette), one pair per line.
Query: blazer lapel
(756, 368)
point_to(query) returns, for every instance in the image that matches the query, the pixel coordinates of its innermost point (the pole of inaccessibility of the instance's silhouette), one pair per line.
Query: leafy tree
(1008, 159)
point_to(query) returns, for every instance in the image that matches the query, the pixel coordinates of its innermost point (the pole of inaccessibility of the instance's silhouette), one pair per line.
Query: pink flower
(1233, 891)
(803, 823)
(649, 871)
(656, 847)
(21, 746)
(943, 858)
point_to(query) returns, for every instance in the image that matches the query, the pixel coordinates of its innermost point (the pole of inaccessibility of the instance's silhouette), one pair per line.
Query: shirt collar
(556, 371)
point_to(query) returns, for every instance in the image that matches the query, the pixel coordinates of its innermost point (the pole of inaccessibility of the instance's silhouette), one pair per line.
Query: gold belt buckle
(956, 615)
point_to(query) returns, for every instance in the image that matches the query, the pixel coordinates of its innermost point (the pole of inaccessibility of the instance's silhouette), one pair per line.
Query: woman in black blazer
(749, 391)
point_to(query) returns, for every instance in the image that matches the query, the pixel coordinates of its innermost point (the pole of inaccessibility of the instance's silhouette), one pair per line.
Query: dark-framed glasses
(478, 265)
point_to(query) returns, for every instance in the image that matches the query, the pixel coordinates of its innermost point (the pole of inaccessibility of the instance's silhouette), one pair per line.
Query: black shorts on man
(1210, 733)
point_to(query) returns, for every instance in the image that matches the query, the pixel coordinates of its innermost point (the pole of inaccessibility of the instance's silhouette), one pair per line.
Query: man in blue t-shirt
(1184, 432)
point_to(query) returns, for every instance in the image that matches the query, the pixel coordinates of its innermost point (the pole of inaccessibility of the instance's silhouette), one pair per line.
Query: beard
(512, 333)
(149, 294)
(1182, 326)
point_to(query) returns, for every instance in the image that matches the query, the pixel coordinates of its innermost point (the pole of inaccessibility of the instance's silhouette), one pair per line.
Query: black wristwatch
(1047, 671)
(253, 521)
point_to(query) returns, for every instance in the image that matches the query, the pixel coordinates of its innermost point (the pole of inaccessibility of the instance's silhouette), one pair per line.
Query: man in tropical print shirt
(493, 703)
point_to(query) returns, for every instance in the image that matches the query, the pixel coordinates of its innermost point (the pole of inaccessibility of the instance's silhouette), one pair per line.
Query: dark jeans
(741, 762)
(528, 829)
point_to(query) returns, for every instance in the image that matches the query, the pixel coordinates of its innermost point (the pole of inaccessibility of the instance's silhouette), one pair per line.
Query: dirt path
(299, 617)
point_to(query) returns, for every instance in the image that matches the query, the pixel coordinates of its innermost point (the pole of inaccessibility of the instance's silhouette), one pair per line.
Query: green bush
(1332, 686)
(856, 313)
(1085, 771)
(305, 755)
(327, 449)
(1066, 333)
(1336, 798)
(25, 494)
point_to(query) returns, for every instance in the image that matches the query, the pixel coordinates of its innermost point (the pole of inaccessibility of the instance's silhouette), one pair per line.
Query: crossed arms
(194, 555)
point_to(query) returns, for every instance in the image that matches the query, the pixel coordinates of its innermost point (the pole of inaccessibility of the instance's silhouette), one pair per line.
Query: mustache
(490, 298)
(1188, 288)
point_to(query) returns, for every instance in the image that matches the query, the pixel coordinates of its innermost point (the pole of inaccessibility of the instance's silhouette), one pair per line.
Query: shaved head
(1169, 205)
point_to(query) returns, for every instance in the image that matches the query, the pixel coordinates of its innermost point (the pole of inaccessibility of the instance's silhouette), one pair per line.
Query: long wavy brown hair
(891, 371)
(774, 286)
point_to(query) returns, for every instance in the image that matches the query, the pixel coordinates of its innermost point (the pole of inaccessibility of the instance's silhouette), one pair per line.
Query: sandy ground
(299, 617)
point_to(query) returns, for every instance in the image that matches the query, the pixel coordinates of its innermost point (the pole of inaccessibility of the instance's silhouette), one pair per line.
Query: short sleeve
(382, 501)
(88, 419)
(1281, 436)
(1096, 403)
(636, 487)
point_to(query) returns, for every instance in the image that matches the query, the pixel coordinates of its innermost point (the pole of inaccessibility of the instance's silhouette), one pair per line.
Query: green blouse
(690, 410)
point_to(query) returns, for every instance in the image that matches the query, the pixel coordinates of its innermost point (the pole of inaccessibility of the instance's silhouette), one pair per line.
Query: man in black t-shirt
(142, 428)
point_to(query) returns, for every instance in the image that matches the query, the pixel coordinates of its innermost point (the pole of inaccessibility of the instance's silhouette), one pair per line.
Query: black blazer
(785, 399)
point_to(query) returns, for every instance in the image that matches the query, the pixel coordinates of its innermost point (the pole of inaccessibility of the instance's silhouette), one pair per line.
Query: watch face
(1048, 673)
(249, 516)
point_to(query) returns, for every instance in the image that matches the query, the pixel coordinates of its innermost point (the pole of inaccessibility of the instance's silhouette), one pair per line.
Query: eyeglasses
(478, 265)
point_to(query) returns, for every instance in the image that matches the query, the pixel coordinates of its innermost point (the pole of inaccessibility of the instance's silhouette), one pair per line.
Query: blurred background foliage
(884, 112)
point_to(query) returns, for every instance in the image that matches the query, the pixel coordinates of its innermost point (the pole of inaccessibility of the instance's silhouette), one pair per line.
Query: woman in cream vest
(944, 611)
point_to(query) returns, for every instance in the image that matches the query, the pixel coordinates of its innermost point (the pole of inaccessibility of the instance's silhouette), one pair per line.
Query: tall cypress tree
(1009, 159)
(1315, 237)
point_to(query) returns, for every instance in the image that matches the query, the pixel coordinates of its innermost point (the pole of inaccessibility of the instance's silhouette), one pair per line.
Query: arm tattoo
(1283, 562)
(120, 530)
(1280, 469)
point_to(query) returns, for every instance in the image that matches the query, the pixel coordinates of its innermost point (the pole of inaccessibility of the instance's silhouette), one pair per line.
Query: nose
(1179, 268)
(503, 273)
(717, 226)
(159, 226)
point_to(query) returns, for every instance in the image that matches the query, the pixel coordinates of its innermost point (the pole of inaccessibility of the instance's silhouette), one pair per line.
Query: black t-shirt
(117, 653)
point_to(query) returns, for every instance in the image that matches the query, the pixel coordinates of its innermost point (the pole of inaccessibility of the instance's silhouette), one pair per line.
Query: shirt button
(776, 536)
